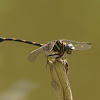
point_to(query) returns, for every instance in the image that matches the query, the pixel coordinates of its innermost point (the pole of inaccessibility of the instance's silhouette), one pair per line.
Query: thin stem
(60, 83)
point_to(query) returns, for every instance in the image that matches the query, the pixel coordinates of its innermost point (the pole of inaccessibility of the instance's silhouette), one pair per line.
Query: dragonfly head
(69, 48)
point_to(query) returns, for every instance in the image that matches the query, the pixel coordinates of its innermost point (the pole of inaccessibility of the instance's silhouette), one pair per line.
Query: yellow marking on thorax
(60, 43)
(57, 46)
(64, 43)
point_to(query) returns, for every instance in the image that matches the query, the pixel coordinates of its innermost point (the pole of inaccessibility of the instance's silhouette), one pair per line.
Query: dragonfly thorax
(59, 47)
(69, 48)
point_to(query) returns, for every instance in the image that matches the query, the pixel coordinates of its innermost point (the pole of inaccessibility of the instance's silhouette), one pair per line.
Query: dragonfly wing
(78, 45)
(48, 47)
(34, 54)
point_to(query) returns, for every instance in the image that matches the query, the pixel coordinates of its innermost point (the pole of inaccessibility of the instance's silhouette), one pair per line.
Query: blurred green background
(43, 21)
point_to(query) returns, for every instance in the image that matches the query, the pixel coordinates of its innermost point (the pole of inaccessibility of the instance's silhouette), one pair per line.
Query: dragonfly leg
(51, 56)
(47, 61)
(59, 55)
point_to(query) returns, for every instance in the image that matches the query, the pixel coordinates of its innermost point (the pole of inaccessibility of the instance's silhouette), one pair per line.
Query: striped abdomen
(25, 41)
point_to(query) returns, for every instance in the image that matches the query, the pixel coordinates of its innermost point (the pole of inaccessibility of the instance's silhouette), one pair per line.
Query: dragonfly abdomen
(19, 40)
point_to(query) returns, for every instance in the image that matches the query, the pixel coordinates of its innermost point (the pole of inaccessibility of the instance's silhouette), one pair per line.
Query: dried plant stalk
(60, 83)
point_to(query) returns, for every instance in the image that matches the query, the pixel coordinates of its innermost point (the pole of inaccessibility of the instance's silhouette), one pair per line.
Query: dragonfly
(55, 48)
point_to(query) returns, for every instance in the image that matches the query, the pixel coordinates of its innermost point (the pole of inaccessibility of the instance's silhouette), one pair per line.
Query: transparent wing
(47, 50)
(78, 45)
(34, 54)
(48, 47)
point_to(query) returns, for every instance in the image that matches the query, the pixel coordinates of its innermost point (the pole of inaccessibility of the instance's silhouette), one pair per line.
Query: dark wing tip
(89, 43)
